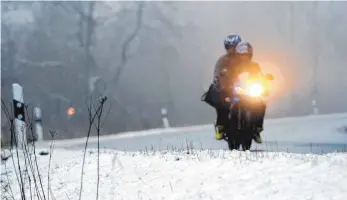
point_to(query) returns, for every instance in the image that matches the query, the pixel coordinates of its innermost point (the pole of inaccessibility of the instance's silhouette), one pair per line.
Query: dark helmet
(231, 41)
(244, 48)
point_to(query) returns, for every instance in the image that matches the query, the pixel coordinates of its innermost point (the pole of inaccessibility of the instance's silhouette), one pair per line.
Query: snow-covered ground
(203, 174)
(317, 133)
(289, 129)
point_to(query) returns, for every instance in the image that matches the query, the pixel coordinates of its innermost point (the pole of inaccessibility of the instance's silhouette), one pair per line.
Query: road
(311, 134)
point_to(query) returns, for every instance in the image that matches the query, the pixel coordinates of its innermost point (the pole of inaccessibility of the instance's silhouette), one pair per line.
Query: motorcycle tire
(234, 145)
(246, 145)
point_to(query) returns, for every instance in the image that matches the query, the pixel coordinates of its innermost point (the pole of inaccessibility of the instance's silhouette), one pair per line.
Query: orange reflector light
(70, 111)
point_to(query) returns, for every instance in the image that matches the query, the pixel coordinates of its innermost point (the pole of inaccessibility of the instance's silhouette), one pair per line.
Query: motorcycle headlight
(255, 90)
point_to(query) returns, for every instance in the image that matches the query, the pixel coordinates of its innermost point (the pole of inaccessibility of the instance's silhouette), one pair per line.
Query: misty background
(148, 55)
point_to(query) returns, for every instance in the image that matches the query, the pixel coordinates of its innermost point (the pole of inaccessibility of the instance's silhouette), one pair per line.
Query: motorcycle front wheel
(246, 145)
(234, 145)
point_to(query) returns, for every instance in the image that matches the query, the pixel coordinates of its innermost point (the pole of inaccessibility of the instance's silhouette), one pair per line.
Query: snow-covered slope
(199, 175)
(312, 122)
(319, 134)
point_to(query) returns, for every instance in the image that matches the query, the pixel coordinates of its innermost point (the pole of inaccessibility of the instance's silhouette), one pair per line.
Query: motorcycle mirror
(269, 77)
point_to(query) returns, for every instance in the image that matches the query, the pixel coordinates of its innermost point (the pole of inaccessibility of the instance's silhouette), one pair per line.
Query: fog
(148, 55)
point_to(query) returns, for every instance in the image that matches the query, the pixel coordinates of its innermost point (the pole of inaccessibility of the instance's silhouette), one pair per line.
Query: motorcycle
(249, 96)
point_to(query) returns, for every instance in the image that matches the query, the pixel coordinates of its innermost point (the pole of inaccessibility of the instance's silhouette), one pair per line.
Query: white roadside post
(38, 124)
(315, 108)
(19, 115)
(165, 118)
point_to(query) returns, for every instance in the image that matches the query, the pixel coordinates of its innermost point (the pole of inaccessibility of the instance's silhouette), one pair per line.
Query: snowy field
(128, 171)
(202, 174)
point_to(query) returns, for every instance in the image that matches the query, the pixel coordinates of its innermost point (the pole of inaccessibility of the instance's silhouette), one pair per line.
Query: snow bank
(199, 175)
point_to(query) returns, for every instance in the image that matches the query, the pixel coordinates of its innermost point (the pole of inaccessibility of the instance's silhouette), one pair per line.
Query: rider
(243, 57)
(223, 64)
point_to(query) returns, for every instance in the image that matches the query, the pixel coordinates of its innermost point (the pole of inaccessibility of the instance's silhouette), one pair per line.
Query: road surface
(311, 134)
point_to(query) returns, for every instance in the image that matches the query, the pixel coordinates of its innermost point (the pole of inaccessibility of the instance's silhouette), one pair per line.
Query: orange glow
(278, 86)
(70, 111)
(251, 87)
(281, 64)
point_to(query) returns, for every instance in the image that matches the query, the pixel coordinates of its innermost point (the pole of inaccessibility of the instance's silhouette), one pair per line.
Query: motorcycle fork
(243, 119)
(239, 118)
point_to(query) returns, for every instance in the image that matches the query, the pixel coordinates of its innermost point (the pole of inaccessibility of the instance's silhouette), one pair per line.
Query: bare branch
(98, 134)
(91, 122)
(125, 46)
(53, 133)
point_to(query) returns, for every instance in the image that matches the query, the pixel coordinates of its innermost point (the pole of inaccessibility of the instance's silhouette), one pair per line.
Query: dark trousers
(215, 98)
(222, 116)
(260, 115)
